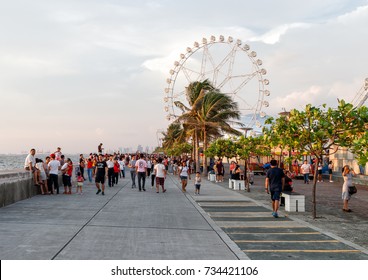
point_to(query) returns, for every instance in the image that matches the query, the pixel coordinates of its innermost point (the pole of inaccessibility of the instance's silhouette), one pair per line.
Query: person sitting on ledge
(30, 165)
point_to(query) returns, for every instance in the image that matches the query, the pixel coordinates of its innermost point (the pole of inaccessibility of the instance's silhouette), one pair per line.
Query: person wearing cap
(54, 167)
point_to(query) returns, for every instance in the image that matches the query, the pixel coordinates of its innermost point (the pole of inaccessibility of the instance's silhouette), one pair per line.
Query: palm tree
(209, 115)
(194, 94)
(173, 134)
(217, 113)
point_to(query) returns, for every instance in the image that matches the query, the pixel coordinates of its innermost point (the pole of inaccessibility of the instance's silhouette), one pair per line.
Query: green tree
(360, 148)
(248, 147)
(319, 131)
(222, 148)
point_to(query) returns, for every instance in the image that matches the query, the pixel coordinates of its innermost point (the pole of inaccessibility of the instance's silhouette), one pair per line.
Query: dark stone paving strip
(326, 255)
(326, 245)
(223, 201)
(262, 230)
(248, 219)
(279, 237)
(235, 209)
(278, 242)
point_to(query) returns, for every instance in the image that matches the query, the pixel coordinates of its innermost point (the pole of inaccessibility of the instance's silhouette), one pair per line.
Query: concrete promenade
(219, 224)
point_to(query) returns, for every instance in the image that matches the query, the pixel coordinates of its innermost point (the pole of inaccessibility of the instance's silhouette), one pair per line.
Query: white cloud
(273, 36)
(67, 60)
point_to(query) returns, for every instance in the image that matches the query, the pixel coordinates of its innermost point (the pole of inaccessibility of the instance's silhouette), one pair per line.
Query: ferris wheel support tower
(362, 95)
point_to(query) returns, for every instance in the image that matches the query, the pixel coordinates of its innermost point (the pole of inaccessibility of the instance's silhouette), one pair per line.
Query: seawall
(16, 185)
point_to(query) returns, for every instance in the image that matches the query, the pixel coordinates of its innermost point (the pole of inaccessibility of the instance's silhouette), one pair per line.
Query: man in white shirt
(305, 170)
(110, 171)
(160, 172)
(30, 165)
(54, 167)
(141, 169)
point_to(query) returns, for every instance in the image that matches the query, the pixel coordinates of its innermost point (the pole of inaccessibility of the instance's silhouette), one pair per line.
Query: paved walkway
(127, 224)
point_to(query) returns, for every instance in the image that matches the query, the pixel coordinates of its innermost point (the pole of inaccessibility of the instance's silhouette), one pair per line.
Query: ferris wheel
(231, 66)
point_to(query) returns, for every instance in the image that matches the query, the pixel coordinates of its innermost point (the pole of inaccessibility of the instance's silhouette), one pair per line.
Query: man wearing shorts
(275, 181)
(101, 171)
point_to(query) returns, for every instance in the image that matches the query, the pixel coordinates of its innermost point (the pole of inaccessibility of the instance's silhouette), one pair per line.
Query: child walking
(197, 182)
(80, 181)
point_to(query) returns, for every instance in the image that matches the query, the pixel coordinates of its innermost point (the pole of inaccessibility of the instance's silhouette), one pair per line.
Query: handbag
(352, 190)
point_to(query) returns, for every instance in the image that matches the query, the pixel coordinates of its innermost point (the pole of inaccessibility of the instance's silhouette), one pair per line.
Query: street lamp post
(286, 114)
(246, 129)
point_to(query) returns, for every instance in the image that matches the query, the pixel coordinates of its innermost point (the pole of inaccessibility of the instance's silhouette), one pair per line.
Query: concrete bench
(237, 185)
(231, 183)
(211, 177)
(294, 202)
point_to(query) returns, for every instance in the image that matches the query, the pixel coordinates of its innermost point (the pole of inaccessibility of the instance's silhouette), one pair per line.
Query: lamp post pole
(287, 114)
(246, 129)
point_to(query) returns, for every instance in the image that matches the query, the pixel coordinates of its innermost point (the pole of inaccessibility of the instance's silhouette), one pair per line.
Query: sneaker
(144, 189)
(276, 215)
(331, 181)
(98, 191)
(103, 193)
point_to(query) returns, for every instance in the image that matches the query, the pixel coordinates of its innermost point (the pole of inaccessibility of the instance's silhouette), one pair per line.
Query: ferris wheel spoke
(234, 70)
(249, 106)
(246, 80)
(176, 95)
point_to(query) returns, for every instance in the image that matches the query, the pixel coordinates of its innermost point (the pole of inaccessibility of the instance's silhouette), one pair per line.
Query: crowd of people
(110, 168)
(106, 168)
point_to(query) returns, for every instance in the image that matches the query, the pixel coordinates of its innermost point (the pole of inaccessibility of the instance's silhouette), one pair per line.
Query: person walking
(100, 173)
(116, 170)
(319, 171)
(160, 172)
(90, 169)
(153, 175)
(54, 167)
(149, 166)
(220, 171)
(347, 174)
(330, 168)
(305, 170)
(122, 166)
(80, 181)
(197, 183)
(274, 183)
(184, 174)
(133, 173)
(82, 165)
(110, 171)
(141, 169)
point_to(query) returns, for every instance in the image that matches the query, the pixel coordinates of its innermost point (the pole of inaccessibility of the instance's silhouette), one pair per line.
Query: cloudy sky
(75, 73)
